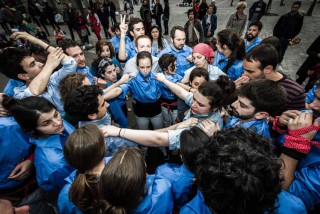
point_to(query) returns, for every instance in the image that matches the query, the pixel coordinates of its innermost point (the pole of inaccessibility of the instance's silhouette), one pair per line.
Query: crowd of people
(235, 134)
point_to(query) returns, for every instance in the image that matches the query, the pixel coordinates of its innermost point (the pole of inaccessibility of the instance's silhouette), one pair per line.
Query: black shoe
(166, 33)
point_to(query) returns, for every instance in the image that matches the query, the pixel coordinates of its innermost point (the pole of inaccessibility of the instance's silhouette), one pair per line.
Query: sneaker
(83, 47)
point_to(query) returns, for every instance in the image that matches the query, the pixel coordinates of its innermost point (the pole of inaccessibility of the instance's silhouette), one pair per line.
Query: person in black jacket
(314, 56)
(103, 15)
(257, 10)
(166, 16)
(69, 16)
(157, 12)
(111, 10)
(288, 27)
(209, 23)
(203, 9)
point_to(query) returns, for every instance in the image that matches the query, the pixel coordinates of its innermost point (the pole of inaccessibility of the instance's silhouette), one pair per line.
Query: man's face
(210, 10)
(179, 39)
(102, 109)
(77, 54)
(144, 44)
(242, 109)
(295, 8)
(110, 74)
(253, 32)
(138, 30)
(252, 70)
(32, 67)
(191, 16)
(118, 32)
(315, 105)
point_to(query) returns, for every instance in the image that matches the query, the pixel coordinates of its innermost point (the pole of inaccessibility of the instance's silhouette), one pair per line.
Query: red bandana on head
(204, 50)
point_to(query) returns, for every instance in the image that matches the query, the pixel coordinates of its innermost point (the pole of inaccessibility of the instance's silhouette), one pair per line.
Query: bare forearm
(38, 85)
(287, 171)
(146, 137)
(184, 86)
(115, 92)
(122, 55)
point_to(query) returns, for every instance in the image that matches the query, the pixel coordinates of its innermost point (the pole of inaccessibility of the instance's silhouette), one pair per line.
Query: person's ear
(23, 77)
(261, 115)
(131, 33)
(268, 69)
(93, 116)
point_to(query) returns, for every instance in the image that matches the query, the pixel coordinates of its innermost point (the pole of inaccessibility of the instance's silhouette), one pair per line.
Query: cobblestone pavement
(295, 55)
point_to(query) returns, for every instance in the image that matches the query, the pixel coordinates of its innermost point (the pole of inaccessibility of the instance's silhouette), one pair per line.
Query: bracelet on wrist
(48, 47)
(120, 132)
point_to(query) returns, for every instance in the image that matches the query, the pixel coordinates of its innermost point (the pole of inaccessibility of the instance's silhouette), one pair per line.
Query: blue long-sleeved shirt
(234, 72)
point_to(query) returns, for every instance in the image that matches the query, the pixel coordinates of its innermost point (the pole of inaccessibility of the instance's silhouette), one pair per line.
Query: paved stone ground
(294, 57)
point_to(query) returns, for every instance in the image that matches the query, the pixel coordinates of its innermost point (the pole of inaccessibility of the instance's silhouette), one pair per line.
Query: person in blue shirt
(73, 49)
(252, 37)
(125, 187)
(237, 175)
(104, 49)
(146, 92)
(39, 79)
(179, 49)
(115, 40)
(182, 177)
(136, 29)
(300, 151)
(80, 192)
(230, 53)
(86, 104)
(167, 63)
(257, 100)
(49, 133)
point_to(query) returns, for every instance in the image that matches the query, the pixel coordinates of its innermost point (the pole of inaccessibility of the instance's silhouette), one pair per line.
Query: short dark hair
(116, 26)
(133, 22)
(256, 23)
(66, 43)
(218, 91)
(274, 41)
(190, 11)
(69, 82)
(174, 29)
(265, 95)
(297, 3)
(191, 142)
(238, 164)
(10, 62)
(143, 55)
(83, 101)
(199, 72)
(27, 112)
(166, 60)
(265, 54)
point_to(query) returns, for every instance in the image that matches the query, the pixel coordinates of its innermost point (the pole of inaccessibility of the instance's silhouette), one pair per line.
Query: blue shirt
(310, 96)
(142, 90)
(234, 72)
(287, 203)
(51, 167)
(254, 43)
(112, 143)
(8, 89)
(64, 204)
(259, 126)
(52, 93)
(182, 180)
(85, 70)
(158, 198)
(306, 183)
(116, 42)
(166, 92)
(15, 147)
(182, 63)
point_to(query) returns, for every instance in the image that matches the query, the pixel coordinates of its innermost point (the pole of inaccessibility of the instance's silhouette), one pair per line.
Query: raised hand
(123, 26)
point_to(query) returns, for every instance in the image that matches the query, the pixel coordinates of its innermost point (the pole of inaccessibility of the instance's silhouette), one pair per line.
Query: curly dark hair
(83, 101)
(238, 173)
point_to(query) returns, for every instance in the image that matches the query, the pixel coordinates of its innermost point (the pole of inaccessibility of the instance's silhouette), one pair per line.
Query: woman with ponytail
(125, 187)
(80, 192)
(230, 53)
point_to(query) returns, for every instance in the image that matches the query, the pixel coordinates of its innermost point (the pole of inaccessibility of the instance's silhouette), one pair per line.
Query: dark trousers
(284, 42)
(158, 22)
(71, 30)
(41, 23)
(166, 26)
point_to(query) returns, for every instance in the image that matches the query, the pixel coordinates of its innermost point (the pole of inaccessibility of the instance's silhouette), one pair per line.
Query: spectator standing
(166, 16)
(257, 10)
(103, 15)
(94, 22)
(157, 12)
(238, 20)
(193, 29)
(111, 10)
(203, 9)
(288, 26)
(213, 4)
(209, 23)
(196, 8)
(145, 14)
(69, 16)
